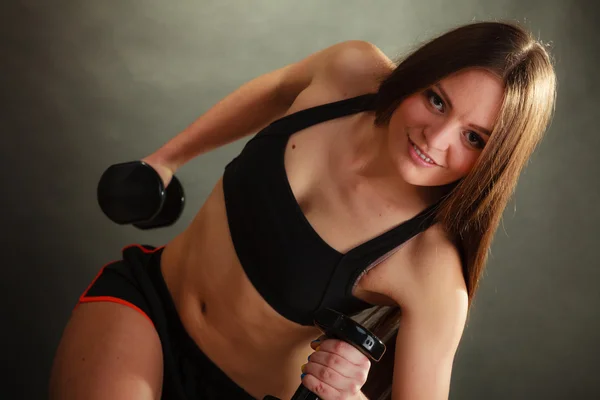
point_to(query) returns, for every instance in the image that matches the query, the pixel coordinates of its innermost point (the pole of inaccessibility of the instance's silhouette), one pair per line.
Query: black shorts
(137, 282)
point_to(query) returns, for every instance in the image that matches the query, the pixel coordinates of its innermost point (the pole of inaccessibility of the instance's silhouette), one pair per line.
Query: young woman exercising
(373, 188)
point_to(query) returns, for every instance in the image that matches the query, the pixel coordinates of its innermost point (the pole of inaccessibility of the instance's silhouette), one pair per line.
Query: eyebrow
(447, 98)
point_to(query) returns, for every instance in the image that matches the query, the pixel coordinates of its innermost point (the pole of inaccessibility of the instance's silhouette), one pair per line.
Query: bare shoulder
(434, 250)
(356, 67)
(436, 270)
(342, 70)
(426, 271)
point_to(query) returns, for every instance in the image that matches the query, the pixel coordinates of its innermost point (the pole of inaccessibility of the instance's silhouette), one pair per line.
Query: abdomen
(228, 319)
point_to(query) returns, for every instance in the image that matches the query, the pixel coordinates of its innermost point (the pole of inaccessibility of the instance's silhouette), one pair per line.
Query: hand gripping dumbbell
(134, 193)
(338, 326)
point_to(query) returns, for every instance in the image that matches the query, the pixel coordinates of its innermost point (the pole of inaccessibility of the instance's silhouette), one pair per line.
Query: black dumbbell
(134, 193)
(338, 326)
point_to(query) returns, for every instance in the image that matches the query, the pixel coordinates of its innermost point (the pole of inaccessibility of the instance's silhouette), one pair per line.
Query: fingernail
(303, 368)
(318, 347)
(302, 376)
(316, 341)
(308, 358)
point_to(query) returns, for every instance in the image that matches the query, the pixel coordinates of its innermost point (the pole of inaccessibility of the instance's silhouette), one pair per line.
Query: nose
(439, 136)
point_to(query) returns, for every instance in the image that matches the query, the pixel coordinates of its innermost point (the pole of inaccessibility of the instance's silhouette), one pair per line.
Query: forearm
(246, 110)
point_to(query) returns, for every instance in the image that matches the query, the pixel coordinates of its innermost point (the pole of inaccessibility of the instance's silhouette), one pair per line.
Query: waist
(224, 314)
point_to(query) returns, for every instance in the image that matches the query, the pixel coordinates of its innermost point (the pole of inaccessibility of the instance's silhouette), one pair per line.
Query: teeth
(425, 158)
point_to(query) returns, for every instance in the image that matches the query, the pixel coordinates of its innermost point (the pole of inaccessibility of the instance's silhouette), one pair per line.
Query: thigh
(107, 351)
(110, 347)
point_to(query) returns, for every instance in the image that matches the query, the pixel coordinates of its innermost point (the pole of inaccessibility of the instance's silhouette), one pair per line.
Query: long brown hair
(472, 207)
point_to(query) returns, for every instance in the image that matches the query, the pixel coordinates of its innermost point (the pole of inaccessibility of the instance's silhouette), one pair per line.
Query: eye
(475, 140)
(435, 100)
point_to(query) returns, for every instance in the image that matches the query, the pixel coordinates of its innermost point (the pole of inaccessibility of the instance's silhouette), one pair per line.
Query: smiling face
(436, 136)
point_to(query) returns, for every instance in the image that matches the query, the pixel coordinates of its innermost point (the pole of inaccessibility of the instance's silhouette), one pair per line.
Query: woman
(371, 188)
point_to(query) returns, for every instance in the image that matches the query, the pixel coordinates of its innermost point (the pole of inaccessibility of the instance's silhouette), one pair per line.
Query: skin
(451, 123)
(352, 181)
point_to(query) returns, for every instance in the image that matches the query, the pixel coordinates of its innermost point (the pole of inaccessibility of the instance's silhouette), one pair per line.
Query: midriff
(231, 323)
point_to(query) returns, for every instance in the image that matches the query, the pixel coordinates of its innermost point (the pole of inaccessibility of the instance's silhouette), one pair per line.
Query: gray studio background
(85, 84)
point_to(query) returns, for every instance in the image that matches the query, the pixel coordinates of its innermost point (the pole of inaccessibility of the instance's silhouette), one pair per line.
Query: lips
(422, 152)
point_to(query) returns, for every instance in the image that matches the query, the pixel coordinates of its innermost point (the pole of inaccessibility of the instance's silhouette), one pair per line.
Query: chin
(415, 178)
(424, 178)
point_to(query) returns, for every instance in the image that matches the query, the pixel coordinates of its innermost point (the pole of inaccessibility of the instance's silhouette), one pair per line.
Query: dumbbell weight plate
(130, 192)
(171, 209)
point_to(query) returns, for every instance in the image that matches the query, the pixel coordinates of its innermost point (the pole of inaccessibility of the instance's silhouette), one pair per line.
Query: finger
(339, 364)
(320, 388)
(345, 350)
(317, 342)
(326, 375)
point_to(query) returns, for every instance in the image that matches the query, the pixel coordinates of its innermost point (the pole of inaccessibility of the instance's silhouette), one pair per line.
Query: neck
(367, 154)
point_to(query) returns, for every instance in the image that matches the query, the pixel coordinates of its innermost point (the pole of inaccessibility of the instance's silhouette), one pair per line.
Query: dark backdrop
(84, 84)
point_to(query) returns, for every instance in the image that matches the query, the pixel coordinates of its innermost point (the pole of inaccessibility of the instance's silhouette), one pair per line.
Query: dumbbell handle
(337, 326)
(302, 393)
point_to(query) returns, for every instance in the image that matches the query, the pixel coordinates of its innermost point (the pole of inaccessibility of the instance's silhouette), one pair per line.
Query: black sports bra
(289, 264)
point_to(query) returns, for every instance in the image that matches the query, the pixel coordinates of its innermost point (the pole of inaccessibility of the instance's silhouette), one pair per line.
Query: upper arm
(347, 64)
(433, 320)
(107, 351)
